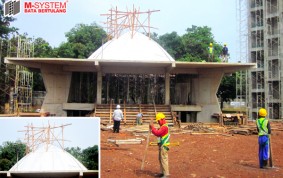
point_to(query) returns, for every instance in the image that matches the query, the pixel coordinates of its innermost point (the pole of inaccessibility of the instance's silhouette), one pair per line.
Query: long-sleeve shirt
(163, 130)
(117, 115)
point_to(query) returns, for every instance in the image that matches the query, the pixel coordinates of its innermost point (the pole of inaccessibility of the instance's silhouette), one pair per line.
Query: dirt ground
(203, 155)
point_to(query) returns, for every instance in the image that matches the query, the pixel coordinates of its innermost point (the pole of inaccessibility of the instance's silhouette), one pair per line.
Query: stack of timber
(243, 130)
(251, 129)
(105, 111)
(201, 127)
(230, 118)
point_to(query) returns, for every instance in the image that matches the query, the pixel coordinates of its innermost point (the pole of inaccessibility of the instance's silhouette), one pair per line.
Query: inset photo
(54, 147)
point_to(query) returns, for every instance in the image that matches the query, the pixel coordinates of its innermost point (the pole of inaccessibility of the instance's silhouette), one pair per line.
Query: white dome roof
(48, 160)
(139, 48)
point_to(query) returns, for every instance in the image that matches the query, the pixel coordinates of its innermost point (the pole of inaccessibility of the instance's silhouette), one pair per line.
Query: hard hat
(159, 116)
(225, 44)
(118, 106)
(210, 44)
(262, 112)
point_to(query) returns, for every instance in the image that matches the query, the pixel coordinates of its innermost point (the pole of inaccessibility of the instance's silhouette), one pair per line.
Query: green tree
(65, 50)
(5, 31)
(76, 152)
(82, 41)
(227, 89)
(42, 48)
(90, 157)
(172, 43)
(38, 84)
(196, 42)
(154, 36)
(10, 153)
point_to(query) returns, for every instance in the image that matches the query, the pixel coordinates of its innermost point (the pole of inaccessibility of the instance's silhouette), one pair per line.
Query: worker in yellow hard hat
(264, 130)
(163, 142)
(210, 52)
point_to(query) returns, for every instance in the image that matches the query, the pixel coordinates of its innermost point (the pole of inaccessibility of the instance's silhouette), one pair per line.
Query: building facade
(265, 36)
(193, 88)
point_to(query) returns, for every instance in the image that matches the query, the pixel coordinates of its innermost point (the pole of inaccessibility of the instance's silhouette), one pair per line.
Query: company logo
(45, 7)
(12, 8)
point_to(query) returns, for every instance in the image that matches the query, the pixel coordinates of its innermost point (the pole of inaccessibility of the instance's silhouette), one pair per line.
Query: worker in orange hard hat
(163, 142)
(264, 130)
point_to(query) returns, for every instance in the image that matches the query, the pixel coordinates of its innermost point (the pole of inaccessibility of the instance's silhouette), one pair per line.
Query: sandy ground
(217, 155)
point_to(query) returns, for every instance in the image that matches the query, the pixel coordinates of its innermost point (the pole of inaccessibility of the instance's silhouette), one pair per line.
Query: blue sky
(177, 16)
(83, 132)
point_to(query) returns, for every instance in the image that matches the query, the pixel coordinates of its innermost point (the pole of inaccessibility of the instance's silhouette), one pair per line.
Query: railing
(110, 111)
(256, 4)
(125, 113)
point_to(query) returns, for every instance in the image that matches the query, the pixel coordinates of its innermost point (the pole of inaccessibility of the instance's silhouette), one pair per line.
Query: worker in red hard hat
(163, 142)
(264, 130)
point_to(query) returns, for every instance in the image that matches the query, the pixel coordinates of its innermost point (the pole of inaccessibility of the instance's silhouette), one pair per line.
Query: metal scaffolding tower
(242, 76)
(265, 26)
(7, 78)
(272, 32)
(16, 85)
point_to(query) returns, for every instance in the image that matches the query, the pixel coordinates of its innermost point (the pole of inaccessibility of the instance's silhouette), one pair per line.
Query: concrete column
(99, 87)
(167, 88)
(280, 5)
(57, 84)
(207, 87)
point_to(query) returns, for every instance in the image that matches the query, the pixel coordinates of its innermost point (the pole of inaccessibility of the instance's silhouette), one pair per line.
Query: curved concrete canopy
(127, 48)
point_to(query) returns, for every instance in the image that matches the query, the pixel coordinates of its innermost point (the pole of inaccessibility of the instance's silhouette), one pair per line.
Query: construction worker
(264, 130)
(117, 117)
(163, 142)
(139, 118)
(210, 52)
(225, 53)
(176, 120)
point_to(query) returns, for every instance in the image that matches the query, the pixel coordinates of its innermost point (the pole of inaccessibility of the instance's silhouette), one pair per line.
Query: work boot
(159, 175)
(264, 164)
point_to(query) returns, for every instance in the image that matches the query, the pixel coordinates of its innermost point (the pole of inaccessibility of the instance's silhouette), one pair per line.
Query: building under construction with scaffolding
(16, 81)
(112, 74)
(265, 30)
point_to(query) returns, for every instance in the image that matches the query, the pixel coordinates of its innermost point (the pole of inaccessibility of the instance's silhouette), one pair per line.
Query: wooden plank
(113, 148)
(22, 114)
(120, 142)
(146, 147)
(8, 115)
